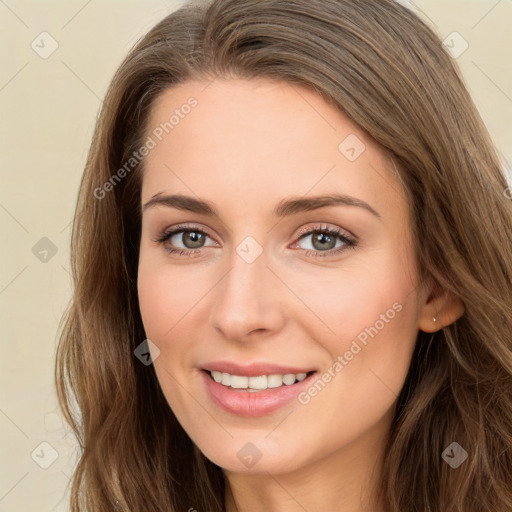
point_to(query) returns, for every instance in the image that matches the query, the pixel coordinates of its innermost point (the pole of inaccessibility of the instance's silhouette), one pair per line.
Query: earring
(434, 319)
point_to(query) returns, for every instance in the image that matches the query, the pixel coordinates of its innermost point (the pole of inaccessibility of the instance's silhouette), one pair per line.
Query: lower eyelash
(182, 252)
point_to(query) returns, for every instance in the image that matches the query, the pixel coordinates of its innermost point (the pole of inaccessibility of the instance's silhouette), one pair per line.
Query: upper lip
(253, 369)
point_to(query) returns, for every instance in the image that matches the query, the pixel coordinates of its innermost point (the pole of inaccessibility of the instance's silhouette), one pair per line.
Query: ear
(440, 304)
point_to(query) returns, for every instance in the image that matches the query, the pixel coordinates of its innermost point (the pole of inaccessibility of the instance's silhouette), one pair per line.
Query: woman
(292, 263)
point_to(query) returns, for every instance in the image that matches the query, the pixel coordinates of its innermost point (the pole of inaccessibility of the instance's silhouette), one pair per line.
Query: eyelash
(348, 242)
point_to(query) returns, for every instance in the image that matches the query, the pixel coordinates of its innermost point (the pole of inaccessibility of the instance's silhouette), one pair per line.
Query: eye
(191, 238)
(325, 241)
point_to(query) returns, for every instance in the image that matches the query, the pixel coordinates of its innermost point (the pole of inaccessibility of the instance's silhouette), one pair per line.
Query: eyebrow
(284, 208)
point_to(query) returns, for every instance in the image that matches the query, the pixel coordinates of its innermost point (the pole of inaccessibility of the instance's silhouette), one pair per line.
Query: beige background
(48, 109)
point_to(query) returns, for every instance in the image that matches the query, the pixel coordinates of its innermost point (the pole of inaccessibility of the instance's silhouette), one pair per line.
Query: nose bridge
(246, 299)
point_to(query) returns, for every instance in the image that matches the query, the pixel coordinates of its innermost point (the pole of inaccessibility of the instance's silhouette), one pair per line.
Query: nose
(248, 300)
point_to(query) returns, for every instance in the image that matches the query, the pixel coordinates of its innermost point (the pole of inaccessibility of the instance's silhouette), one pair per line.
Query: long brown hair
(378, 63)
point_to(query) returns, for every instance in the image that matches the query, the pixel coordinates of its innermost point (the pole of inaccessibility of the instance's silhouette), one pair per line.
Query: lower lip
(257, 403)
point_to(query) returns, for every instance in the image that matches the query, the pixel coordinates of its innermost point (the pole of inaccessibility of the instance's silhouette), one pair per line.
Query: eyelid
(325, 227)
(173, 230)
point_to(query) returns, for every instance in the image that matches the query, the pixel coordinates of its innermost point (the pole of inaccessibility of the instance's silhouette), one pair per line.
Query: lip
(253, 369)
(252, 404)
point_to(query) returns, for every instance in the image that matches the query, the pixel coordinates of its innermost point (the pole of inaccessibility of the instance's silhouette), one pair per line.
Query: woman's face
(300, 262)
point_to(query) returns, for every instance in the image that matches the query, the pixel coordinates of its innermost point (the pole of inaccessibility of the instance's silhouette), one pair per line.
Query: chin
(256, 457)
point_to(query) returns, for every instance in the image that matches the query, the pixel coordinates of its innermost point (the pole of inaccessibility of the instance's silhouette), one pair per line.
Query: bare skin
(245, 147)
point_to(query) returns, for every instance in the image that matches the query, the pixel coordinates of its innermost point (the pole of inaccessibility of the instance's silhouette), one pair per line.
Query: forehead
(253, 140)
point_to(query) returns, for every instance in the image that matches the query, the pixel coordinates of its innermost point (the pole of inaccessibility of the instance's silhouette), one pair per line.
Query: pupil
(323, 238)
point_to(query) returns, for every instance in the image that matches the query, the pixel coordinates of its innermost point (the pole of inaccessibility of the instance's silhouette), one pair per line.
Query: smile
(256, 395)
(258, 382)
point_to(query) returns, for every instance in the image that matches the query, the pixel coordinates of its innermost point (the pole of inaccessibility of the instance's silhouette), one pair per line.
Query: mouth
(257, 383)
(254, 395)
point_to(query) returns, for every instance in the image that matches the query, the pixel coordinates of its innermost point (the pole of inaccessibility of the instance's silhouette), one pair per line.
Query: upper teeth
(259, 382)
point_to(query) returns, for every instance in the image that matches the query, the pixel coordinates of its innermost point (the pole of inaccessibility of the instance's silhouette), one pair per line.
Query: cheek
(367, 365)
(174, 305)
(375, 299)
(368, 328)
(166, 297)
